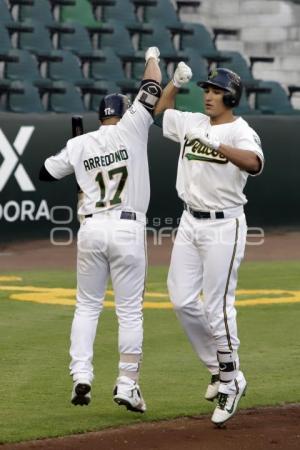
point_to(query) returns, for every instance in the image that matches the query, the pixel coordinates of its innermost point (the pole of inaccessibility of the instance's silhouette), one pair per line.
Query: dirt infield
(253, 429)
(43, 255)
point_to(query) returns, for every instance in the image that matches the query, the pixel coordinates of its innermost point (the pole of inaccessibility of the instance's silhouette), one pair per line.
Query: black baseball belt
(127, 215)
(204, 214)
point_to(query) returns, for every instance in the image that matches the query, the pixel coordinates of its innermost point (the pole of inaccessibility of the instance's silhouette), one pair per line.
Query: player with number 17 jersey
(110, 164)
(111, 169)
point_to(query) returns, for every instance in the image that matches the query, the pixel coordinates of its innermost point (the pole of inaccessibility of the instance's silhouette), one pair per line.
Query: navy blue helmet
(113, 105)
(228, 81)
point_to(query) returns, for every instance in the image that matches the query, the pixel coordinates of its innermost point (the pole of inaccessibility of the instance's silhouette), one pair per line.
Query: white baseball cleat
(228, 403)
(128, 393)
(81, 393)
(213, 388)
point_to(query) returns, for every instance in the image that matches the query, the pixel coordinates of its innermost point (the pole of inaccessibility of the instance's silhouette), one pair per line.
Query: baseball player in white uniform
(111, 168)
(217, 153)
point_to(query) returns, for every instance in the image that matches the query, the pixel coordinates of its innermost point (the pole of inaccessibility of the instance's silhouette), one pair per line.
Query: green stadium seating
(164, 13)
(115, 50)
(78, 42)
(192, 100)
(197, 63)
(5, 16)
(81, 12)
(69, 101)
(27, 100)
(5, 43)
(110, 68)
(244, 108)
(38, 41)
(274, 102)
(158, 35)
(109, 87)
(238, 64)
(200, 40)
(39, 11)
(24, 68)
(68, 69)
(121, 10)
(118, 39)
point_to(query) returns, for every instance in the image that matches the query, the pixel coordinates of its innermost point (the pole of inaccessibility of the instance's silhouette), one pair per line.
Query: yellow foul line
(66, 296)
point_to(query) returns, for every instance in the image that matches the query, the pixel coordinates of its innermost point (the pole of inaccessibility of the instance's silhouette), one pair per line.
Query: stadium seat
(200, 39)
(197, 63)
(5, 43)
(110, 68)
(118, 39)
(25, 67)
(5, 16)
(68, 69)
(244, 107)
(121, 10)
(81, 12)
(238, 64)
(38, 41)
(40, 11)
(24, 98)
(164, 13)
(78, 42)
(274, 102)
(69, 101)
(192, 100)
(159, 36)
(109, 87)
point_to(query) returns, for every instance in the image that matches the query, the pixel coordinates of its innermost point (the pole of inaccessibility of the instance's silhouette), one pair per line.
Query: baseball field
(36, 313)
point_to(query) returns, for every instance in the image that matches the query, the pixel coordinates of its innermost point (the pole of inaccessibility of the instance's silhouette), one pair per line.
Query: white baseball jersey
(110, 164)
(206, 180)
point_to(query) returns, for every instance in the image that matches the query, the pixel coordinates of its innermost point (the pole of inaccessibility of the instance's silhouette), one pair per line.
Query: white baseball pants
(205, 258)
(108, 246)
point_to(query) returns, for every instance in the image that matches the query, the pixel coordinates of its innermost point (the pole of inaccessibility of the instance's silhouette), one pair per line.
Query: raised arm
(152, 69)
(150, 89)
(182, 75)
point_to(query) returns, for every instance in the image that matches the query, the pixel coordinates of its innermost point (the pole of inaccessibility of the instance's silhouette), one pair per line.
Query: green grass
(35, 386)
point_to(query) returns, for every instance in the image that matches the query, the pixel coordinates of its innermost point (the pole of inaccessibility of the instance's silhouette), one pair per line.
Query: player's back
(111, 166)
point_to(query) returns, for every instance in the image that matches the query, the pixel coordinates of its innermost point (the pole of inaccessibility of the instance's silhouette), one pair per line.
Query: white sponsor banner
(11, 165)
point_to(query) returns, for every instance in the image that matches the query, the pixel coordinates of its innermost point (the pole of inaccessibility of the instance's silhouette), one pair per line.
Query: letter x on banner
(11, 160)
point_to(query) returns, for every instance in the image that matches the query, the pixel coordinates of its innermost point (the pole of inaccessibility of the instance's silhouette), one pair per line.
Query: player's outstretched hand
(182, 74)
(152, 52)
(197, 134)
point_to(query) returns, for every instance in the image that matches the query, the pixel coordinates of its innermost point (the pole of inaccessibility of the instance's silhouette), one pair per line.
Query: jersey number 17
(116, 194)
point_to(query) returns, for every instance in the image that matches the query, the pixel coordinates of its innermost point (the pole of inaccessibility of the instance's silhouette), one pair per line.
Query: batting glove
(152, 52)
(209, 141)
(182, 74)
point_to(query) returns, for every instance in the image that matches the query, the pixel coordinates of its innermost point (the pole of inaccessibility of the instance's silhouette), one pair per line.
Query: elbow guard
(149, 94)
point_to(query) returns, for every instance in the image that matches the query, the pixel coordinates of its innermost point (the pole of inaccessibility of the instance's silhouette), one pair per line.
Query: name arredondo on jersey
(105, 160)
(195, 150)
